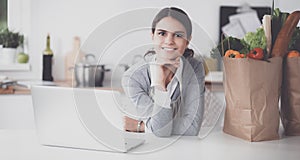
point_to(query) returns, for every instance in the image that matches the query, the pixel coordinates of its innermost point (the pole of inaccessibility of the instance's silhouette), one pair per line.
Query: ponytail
(188, 53)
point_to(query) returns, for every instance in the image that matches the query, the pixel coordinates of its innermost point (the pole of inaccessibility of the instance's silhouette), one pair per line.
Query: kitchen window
(3, 14)
(15, 14)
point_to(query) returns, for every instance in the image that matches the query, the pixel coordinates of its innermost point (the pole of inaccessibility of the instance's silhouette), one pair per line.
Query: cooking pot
(88, 73)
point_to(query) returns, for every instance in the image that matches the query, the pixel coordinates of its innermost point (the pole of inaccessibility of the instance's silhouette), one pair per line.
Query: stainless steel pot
(88, 74)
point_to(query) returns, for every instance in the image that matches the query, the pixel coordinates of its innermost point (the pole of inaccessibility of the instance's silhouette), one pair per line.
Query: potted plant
(10, 41)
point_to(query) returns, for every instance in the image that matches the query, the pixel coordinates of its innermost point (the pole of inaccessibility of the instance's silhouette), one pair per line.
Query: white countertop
(23, 145)
(214, 77)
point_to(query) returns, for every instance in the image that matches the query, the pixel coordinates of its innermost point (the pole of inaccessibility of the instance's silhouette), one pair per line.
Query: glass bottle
(47, 61)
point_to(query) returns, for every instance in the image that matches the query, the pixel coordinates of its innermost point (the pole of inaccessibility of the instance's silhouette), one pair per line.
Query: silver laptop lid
(79, 118)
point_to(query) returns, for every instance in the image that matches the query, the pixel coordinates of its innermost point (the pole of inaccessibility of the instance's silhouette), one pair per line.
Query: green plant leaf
(10, 39)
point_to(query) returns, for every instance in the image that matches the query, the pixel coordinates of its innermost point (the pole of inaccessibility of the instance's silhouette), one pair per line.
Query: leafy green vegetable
(276, 12)
(229, 43)
(295, 41)
(256, 39)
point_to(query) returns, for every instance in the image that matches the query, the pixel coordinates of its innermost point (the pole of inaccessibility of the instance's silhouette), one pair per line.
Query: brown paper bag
(290, 97)
(252, 90)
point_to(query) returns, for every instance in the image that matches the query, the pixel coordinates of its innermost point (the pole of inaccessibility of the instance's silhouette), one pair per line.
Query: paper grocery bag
(252, 91)
(290, 97)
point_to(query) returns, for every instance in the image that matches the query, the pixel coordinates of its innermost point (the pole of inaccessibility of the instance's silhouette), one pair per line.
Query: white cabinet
(16, 112)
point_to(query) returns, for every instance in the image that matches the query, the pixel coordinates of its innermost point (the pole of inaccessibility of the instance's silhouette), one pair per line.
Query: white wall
(64, 19)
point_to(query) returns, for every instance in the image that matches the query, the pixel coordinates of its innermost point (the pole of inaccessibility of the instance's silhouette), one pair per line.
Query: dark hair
(179, 15)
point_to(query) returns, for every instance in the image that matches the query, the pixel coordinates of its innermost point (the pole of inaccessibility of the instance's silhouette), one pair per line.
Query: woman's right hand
(170, 61)
(164, 70)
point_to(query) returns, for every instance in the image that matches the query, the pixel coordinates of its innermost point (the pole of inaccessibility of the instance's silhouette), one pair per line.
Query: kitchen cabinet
(16, 112)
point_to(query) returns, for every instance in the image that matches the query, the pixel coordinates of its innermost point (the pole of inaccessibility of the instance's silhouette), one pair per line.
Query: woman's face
(170, 38)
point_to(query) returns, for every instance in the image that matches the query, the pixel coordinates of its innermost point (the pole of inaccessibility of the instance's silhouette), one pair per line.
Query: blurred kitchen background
(66, 19)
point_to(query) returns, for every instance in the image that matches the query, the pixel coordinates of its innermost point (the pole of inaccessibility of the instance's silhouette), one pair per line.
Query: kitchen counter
(17, 90)
(28, 83)
(25, 89)
(23, 144)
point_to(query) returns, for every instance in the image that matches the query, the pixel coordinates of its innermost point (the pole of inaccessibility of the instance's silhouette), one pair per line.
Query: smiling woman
(167, 88)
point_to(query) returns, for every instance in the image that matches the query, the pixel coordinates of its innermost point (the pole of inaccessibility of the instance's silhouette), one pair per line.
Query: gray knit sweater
(187, 101)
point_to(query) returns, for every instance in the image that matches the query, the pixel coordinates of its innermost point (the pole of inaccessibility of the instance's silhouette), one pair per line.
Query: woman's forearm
(161, 123)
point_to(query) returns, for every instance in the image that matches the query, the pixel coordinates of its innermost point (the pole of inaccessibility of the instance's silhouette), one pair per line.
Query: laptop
(81, 118)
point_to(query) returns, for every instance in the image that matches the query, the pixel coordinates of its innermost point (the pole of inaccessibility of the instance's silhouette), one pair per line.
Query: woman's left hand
(130, 124)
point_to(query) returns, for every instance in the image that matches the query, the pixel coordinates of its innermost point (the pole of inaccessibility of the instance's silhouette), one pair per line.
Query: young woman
(167, 88)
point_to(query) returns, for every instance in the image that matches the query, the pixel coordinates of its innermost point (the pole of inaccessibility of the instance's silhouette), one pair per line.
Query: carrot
(284, 36)
(293, 53)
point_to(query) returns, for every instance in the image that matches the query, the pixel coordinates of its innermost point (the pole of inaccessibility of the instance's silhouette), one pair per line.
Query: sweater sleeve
(136, 85)
(193, 104)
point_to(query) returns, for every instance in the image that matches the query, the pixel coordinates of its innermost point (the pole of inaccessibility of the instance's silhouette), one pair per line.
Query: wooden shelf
(15, 67)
